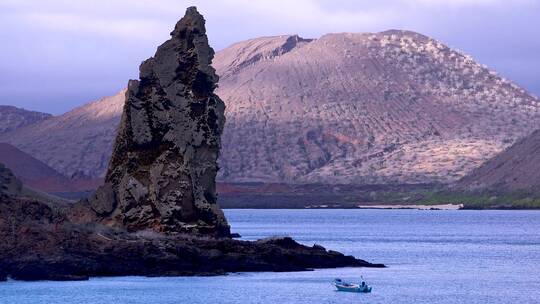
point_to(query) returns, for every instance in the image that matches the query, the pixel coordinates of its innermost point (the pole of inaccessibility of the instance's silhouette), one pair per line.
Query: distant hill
(388, 107)
(12, 118)
(9, 184)
(36, 174)
(515, 169)
(78, 143)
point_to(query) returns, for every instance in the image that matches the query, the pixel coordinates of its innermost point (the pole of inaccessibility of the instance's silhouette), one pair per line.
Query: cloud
(143, 19)
(89, 49)
(124, 28)
(146, 19)
(465, 3)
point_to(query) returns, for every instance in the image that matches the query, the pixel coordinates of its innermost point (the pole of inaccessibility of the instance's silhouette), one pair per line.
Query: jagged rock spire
(162, 172)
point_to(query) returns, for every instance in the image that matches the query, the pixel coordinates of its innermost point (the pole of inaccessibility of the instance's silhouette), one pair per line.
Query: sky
(59, 54)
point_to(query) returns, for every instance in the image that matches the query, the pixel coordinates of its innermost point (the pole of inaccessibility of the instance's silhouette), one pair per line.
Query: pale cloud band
(146, 18)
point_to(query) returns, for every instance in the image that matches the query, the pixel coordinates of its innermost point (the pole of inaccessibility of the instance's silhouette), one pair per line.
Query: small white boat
(351, 287)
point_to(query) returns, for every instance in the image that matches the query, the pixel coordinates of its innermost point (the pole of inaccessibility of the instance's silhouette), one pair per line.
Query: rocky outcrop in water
(38, 241)
(163, 168)
(156, 214)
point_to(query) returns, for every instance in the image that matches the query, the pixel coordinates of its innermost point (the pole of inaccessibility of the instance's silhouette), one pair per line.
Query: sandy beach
(419, 207)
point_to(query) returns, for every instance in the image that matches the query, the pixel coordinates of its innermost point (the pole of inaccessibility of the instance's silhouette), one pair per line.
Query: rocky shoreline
(40, 243)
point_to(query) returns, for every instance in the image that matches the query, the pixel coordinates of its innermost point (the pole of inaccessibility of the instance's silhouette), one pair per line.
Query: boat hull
(357, 288)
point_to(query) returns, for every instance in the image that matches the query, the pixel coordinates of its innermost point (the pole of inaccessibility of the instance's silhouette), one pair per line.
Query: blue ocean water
(433, 257)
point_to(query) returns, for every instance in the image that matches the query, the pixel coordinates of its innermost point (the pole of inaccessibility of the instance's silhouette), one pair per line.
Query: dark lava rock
(164, 163)
(103, 200)
(38, 242)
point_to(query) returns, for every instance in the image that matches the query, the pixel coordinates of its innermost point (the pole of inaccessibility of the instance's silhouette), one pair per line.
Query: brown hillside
(38, 175)
(12, 118)
(515, 169)
(386, 107)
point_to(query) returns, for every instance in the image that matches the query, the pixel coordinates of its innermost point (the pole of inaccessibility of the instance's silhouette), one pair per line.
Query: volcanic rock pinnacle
(162, 172)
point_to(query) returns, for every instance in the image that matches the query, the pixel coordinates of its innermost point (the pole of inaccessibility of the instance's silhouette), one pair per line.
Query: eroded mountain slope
(515, 169)
(77, 143)
(12, 118)
(394, 106)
